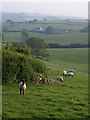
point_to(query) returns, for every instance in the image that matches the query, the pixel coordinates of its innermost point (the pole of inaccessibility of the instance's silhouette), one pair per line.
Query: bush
(16, 66)
(38, 66)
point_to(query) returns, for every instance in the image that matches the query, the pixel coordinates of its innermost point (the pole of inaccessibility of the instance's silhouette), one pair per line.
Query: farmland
(67, 100)
(74, 36)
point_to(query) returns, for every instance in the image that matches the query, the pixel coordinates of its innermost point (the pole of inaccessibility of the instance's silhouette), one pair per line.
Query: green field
(70, 58)
(74, 36)
(67, 100)
(63, 39)
(44, 24)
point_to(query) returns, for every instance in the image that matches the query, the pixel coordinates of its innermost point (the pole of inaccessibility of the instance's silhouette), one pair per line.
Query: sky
(66, 8)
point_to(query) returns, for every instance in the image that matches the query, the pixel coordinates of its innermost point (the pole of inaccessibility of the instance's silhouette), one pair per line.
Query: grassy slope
(64, 59)
(58, 101)
(67, 100)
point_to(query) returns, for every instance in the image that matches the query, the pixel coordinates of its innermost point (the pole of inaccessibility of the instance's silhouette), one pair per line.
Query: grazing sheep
(69, 73)
(71, 70)
(65, 73)
(59, 78)
(39, 79)
(49, 80)
(22, 86)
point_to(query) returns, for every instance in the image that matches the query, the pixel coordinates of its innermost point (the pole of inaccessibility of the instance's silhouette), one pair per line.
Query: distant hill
(22, 17)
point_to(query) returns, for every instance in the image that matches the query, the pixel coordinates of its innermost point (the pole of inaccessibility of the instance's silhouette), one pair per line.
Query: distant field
(45, 24)
(66, 38)
(64, 59)
(67, 100)
(75, 36)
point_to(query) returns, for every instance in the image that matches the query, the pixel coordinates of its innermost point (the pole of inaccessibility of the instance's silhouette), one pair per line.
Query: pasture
(63, 39)
(74, 36)
(67, 100)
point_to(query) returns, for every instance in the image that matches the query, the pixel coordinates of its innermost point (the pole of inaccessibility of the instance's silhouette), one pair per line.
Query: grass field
(45, 24)
(63, 39)
(75, 36)
(67, 100)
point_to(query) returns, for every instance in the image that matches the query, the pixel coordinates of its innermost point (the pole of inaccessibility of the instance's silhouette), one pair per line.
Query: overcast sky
(77, 9)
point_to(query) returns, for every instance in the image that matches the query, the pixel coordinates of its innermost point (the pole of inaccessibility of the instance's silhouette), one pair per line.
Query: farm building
(38, 29)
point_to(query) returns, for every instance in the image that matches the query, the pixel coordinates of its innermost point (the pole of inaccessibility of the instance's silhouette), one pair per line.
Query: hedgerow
(16, 66)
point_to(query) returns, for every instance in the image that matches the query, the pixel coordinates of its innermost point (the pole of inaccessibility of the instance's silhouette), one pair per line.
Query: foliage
(16, 66)
(7, 45)
(85, 29)
(23, 49)
(24, 34)
(49, 29)
(38, 46)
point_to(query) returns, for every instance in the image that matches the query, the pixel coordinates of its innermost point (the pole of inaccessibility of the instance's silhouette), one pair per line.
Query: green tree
(25, 34)
(23, 49)
(38, 46)
(49, 29)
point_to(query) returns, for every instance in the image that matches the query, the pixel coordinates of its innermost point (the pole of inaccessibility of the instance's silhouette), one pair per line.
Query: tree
(25, 34)
(3, 38)
(23, 49)
(49, 29)
(38, 46)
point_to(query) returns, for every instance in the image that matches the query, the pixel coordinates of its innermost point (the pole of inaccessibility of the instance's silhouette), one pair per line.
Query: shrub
(16, 66)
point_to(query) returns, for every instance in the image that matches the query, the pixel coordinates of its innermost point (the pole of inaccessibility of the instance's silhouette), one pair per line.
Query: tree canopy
(24, 34)
(38, 46)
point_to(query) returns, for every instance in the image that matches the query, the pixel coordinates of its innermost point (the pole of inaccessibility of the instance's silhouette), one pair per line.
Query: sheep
(39, 79)
(71, 70)
(65, 73)
(49, 80)
(22, 86)
(59, 78)
(69, 73)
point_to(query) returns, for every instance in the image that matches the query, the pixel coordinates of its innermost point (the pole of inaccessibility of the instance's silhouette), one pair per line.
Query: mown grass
(67, 100)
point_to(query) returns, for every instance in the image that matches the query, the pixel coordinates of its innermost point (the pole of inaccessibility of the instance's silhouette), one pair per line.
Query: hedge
(16, 66)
